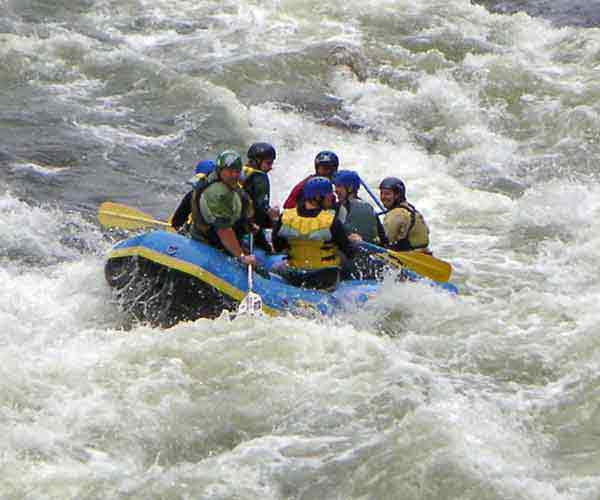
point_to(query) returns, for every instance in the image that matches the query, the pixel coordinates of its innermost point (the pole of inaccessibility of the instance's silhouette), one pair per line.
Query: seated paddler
(182, 217)
(221, 209)
(361, 221)
(313, 237)
(404, 225)
(361, 224)
(326, 165)
(255, 180)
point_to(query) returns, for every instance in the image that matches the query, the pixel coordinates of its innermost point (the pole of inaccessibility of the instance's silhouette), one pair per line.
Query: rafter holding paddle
(424, 264)
(116, 215)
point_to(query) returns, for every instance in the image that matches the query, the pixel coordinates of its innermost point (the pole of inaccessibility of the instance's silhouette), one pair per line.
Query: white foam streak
(489, 394)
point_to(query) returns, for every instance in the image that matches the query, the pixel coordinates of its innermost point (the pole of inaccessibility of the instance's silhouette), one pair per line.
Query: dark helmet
(327, 159)
(260, 151)
(395, 184)
(205, 167)
(348, 179)
(317, 187)
(228, 159)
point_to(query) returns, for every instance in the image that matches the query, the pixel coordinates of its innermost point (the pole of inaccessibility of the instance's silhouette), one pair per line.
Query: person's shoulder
(362, 203)
(303, 181)
(216, 188)
(397, 213)
(218, 192)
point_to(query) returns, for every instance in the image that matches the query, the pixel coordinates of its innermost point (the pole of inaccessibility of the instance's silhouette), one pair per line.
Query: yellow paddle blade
(423, 264)
(117, 215)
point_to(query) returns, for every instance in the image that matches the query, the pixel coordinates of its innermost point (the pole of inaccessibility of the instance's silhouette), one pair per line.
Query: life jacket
(310, 239)
(262, 205)
(248, 172)
(417, 236)
(202, 230)
(361, 219)
(194, 182)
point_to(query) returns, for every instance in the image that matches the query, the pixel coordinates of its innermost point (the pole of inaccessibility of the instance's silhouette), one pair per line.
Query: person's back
(181, 218)
(405, 226)
(312, 235)
(361, 221)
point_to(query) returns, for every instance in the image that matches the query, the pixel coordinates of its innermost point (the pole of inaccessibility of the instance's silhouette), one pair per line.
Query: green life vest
(203, 224)
(361, 219)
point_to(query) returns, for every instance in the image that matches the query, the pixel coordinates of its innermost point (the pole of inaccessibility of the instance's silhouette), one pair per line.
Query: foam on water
(492, 122)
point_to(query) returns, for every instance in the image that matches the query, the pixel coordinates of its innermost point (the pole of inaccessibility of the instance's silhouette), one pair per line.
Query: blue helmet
(317, 187)
(327, 159)
(347, 178)
(394, 184)
(205, 167)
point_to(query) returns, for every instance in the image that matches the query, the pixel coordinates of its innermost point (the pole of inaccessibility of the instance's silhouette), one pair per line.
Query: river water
(493, 121)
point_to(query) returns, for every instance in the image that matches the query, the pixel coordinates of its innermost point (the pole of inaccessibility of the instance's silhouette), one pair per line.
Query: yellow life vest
(247, 171)
(309, 239)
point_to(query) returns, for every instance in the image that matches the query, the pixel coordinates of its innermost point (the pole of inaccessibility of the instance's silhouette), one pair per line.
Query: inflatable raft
(164, 277)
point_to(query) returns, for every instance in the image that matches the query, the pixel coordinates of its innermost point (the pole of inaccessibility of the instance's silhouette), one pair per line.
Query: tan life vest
(309, 239)
(417, 235)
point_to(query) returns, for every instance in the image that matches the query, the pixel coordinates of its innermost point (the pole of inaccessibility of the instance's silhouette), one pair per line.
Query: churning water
(492, 119)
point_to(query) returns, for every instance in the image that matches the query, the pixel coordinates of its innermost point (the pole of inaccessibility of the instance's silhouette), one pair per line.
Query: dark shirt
(258, 188)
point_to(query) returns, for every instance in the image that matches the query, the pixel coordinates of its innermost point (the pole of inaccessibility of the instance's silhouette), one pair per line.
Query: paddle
(117, 215)
(251, 304)
(421, 263)
(373, 197)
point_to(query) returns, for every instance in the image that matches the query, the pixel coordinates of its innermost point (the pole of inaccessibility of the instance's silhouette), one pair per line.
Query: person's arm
(340, 238)
(183, 210)
(279, 243)
(232, 245)
(383, 240)
(218, 208)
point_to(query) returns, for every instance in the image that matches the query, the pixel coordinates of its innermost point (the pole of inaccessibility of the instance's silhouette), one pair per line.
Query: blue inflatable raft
(163, 277)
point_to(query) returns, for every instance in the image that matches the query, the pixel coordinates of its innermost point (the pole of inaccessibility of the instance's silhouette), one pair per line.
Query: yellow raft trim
(187, 268)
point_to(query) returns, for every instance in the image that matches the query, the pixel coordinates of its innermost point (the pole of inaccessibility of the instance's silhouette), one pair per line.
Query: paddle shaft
(372, 195)
(423, 264)
(136, 219)
(122, 216)
(250, 279)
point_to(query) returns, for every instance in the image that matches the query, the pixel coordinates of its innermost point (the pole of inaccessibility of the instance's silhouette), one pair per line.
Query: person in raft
(181, 218)
(326, 165)
(221, 209)
(312, 236)
(255, 181)
(404, 225)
